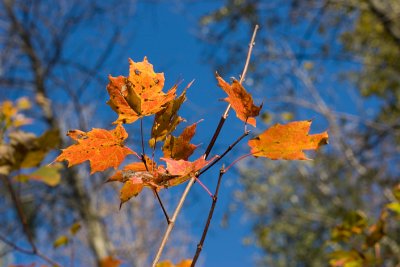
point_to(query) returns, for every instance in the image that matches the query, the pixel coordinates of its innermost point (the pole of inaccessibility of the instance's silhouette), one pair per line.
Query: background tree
(336, 60)
(47, 55)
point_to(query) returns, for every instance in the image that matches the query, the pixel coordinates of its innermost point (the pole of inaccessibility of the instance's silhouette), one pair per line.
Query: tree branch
(208, 150)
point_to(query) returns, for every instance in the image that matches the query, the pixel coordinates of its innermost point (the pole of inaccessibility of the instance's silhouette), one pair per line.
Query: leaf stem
(210, 215)
(239, 159)
(206, 154)
(142, 137)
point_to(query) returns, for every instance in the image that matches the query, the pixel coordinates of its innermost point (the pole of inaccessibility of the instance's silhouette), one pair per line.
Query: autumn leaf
(167, 119)
(61, 241)
(180, 147)
(131, 188)
(135, 176)
(140, 94)
(110, 262)
(181, 170)
(168, 263)
(240, 100)
(103, 148)
(287, 141)
(49, 175)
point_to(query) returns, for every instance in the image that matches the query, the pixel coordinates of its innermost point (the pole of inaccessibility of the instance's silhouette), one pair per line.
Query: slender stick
(172, 221)
(142, 137)
(210, 215)
(206, 154)
(162, 207)
(242, 77)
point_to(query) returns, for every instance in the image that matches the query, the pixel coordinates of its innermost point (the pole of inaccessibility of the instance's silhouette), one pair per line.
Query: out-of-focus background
(336, 62)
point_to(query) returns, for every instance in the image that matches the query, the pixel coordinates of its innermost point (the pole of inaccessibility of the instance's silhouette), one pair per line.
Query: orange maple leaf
(287, 141)
(180, 147)
(103, 148)
(240, 100)
(140, 94)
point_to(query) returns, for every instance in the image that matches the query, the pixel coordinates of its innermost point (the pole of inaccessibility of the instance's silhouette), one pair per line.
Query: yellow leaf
(75, 228)
(61, 241)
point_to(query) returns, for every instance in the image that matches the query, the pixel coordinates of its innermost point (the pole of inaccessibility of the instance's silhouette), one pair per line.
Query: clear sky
(166, 34)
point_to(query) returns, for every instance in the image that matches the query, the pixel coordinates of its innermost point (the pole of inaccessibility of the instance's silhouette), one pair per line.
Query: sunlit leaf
(240, 99)
(140, 94)
(104, 149)
(180, 147)
(287, 141)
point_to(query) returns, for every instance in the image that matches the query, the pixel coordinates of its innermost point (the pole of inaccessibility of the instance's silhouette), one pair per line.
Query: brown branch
(246, 133)
(208, 150)
(209, 218)
(147, 169)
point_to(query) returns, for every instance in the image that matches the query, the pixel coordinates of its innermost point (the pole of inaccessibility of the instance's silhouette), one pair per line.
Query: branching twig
(20, 212)
(206, 154)
(147, 169)
(210, 215)
(242, 77)
(25, 227)
(226, 152)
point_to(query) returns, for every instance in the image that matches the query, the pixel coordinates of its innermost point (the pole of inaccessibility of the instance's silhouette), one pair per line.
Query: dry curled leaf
(103, 148)
(180, 147)
(167, 119)
(240, 100)
(140, 94)
(287, 141)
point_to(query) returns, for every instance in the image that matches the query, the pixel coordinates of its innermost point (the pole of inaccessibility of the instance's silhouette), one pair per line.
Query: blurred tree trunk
(96, 235)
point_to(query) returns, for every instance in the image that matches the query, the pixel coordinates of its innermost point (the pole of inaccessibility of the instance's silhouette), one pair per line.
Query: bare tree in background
(54, 52)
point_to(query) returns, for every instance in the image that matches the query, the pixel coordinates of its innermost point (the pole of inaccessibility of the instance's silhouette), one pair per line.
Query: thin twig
(172, 221)
(147, 169)
(20, 212)
(162, 207)
(32, 251)
(239, 159)
(206, 154)
(142, 138)
(210, 215)
(226, 152)
(242, 77)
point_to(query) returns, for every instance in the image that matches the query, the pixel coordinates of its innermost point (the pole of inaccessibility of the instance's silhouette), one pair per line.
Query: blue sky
(167, 35)
(168, 38)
